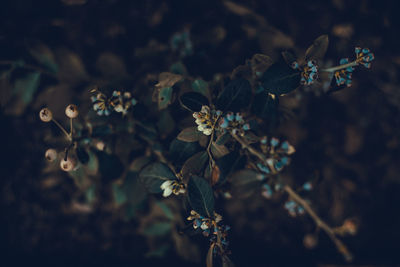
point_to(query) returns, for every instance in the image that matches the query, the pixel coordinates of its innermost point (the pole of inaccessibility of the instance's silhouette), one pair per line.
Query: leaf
(26, 87)
(44, 56)
(260, 63)
(201, 86)
(190, 134)
(158, 229)
(168, 79)
(195, 164)
(244, 182)
(265, 106)
(110, 166)
(193, 101)
(90, 194)
(201, 196)
(318, 49)
(166, 123)
(235, 96)
(209, 259)
(180, 151)
(154, 175)
(138, 163)
(164, 97)
(82, 155)
(92, 166)
(280, 79)
(218, 150)
(167, 211)
(230, 163)
(223, 139)
(289, 57)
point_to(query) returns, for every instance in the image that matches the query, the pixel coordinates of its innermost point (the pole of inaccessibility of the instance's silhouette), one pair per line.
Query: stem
(211, 159)
(70, 127)
(249, 148)
(320, 223)
(62, 129)
(333, 69)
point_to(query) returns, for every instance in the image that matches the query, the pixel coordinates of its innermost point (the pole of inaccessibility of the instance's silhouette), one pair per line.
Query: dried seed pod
(45, 115)
(71, 111)
(51, 154)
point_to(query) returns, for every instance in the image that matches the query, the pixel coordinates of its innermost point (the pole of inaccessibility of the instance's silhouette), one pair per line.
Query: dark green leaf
(82, 155)
(110, 166)
(164, 97)
(154, 175)
(230, 163)
(180, 151)
(167, 211)
(101, 130)
(318, 49)
(260, 63)
(201, 196)
(265, 106)
(195, 164)
(235, 96)
(90, 194)
(289, 57)
(280, 79)
(218, 150)
(201, 86)
(158, 229)
(223, 139)
(190, 134)
(26, 87)
(244, 182)
(193, 101)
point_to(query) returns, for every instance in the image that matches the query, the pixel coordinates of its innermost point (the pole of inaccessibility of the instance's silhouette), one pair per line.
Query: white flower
(167, 187)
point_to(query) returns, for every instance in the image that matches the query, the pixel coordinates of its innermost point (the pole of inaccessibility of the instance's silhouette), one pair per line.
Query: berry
(51, 154)
(67, 165)
(71, 111)
(45, 115)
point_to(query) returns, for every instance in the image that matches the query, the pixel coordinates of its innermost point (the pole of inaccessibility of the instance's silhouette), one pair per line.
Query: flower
(205, 224)
(277, 155)
(266, 191)
(118, 102)
(234, 123)
(293, 208)
(205, 119)
(344, 76)
(309, 72)
(172, 186)
(364, 56)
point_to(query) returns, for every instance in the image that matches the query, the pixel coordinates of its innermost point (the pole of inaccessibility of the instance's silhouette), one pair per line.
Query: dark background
(351, 137)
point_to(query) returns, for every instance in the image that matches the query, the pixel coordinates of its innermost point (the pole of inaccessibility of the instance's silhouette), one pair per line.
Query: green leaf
(82, 155)
(265, 106)
(131, 190)
(260, 63)
(244, 182)
(201, 86)
(190, 134)
(218, 150)
(158, 229)
(280, 79)
(195, 164)
(90, 194)
(26, 87)
(235, 96)
(223, 139)
(230, 163)
(154, 175)
(119, 194)
(193, 101)
(318, 49)
(180, 151)
(44, 56)
(167, 211)
(164, 97)
(201, 196)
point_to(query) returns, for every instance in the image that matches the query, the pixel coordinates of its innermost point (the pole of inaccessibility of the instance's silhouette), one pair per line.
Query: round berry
(310, 241)
(71, 111)
(51, 154)
(45, 115)
(67, 165)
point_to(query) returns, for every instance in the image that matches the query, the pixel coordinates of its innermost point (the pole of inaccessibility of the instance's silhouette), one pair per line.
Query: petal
(167, 192)
(166, 184)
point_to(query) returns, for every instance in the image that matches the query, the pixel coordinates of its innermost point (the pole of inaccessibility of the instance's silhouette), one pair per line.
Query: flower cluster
(293, 208)
(266, 191)
(205, 119)
(364, 56)
(224, 241)
(208, 225)
(118, 102)
(277, 155)
(343, 76)
(233, 123)
(309, 72)
(172, 186)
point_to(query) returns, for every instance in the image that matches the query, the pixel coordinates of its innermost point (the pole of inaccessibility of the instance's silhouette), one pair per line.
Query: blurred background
(52, 52)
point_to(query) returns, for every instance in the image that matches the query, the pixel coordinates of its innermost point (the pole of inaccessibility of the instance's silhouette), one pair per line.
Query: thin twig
(320, 223)
(62, 129)
(344, 66)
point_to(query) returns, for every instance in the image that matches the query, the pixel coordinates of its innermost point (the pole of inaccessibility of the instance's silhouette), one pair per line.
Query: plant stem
(70, 127)
(333, 69)
(62, 129)
(320, 223)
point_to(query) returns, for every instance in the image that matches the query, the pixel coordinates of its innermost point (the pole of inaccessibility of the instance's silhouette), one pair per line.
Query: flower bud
(51, 154)
(71, 111)
(67, 165)
(45, 115)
